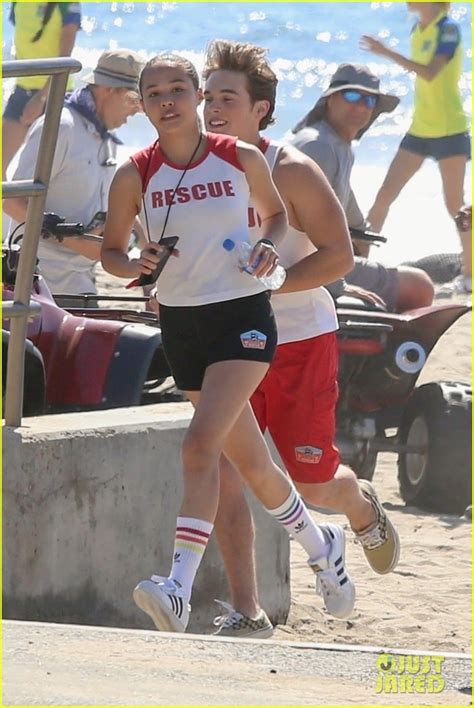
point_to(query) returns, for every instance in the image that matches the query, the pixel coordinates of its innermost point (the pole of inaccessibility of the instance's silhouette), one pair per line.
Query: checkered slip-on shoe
(234, 624)
(379, 541)
(161, 599)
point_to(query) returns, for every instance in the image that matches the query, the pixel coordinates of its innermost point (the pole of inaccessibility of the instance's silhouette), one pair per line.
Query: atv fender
(137, 356)
(79, 354)
(99, 363)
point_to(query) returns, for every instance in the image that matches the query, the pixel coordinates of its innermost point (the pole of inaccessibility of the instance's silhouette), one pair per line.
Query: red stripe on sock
(193, 539)
(193, 531)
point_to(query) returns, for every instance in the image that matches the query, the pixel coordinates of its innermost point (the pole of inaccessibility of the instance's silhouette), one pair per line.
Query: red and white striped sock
(190, 543)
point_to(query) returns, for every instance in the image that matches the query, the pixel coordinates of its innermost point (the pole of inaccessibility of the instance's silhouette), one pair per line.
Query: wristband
(267, 242)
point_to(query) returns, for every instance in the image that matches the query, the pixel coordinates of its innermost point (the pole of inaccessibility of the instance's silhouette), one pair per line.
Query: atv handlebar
(78, 230)
(364, 235)
(64, 229)
(55, 226)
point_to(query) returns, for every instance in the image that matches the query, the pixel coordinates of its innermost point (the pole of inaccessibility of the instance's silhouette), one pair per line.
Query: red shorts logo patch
(307, 453)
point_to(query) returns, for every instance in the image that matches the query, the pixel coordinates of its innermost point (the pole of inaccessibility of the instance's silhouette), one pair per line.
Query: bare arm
(16, 208)
(68, 39)
(123, 208)
(264, 194)
(314, 209)
(427, 72)
(271, 209)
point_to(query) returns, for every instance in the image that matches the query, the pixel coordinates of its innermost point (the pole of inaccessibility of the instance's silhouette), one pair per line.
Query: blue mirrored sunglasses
(353, 96)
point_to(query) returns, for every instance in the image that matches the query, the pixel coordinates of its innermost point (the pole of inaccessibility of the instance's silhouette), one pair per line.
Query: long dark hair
(51, 6)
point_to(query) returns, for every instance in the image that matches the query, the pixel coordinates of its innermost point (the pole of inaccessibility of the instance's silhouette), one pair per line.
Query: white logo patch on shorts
(253, 339)
(307, 453)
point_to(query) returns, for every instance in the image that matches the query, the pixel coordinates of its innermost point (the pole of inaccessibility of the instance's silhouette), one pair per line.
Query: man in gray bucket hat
(83, 167)
(357, 79)
(343, 113)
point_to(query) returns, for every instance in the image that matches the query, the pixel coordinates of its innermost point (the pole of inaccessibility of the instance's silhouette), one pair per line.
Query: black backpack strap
(51, 6)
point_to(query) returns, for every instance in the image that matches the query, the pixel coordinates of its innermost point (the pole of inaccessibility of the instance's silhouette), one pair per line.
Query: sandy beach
(425, 604)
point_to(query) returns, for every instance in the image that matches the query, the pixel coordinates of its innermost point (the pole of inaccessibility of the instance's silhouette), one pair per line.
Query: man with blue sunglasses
(343, 113)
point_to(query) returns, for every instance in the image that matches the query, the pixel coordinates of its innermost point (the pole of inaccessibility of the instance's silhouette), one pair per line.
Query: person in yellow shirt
(42, 29)
(439, 128)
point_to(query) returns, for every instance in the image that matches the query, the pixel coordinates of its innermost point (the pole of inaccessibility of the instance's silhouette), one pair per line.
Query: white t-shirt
(78, 188)
(209, 206)
(307, 313)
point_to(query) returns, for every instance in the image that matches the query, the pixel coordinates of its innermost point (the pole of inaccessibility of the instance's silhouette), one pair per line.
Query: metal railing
(35, 189)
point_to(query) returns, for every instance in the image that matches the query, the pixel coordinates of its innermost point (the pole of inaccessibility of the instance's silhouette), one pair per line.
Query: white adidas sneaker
(332, 579)
(161, 599)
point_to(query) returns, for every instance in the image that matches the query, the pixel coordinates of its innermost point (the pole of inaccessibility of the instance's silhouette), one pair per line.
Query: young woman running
(439, 127)
(218, 328)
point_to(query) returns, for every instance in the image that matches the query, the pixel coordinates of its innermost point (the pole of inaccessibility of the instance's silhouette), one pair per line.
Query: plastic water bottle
(242, 251)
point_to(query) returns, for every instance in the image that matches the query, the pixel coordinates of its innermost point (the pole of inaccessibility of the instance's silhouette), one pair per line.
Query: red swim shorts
(296, 401)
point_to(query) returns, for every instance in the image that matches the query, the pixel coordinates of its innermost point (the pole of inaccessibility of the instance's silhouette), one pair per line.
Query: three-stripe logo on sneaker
(176, 605)
(340, 571)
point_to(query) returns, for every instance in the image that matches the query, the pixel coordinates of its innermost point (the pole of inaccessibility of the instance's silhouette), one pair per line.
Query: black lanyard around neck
(152, 152)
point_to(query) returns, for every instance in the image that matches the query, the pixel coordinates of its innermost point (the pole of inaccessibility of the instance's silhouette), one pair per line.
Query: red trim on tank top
(264, 144)
(148, 161)
(148, 164)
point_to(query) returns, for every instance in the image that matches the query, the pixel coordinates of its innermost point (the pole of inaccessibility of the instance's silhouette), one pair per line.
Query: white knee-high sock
(295, 518)
(190, 543)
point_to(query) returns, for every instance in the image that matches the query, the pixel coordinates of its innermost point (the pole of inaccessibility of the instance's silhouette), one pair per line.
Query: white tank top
(307, 313)
(209, 206)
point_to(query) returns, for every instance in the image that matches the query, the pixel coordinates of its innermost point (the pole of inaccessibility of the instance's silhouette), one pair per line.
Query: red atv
(381, 357)
(84, 359)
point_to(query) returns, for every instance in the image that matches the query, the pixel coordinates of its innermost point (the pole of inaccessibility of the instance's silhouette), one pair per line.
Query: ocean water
(306, 42)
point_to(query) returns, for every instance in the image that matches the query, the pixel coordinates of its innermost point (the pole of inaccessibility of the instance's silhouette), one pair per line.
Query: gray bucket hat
(351, 76)
(117, 68)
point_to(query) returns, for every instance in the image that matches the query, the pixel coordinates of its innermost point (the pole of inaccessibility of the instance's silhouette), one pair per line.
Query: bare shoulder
(128, 172)
(248, 154)
(126, 187)
(294, 169)
(128, 177)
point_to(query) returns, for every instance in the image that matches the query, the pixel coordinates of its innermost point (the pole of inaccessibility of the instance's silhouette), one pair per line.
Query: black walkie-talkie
(169, 242)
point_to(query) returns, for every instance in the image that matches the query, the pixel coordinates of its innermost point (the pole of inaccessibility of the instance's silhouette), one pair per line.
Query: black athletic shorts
(17, 102)
(195, 337)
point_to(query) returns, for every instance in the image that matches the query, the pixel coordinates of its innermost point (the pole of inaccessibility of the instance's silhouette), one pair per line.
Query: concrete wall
(89, 509)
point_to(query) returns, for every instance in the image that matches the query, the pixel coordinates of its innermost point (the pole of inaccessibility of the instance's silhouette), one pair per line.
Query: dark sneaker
(234, 624)
(332, 579)
(161, 599)
(380, 540)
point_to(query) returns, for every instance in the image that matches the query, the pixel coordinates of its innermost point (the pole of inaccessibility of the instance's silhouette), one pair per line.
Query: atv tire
(364, 465)
(438, 416)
